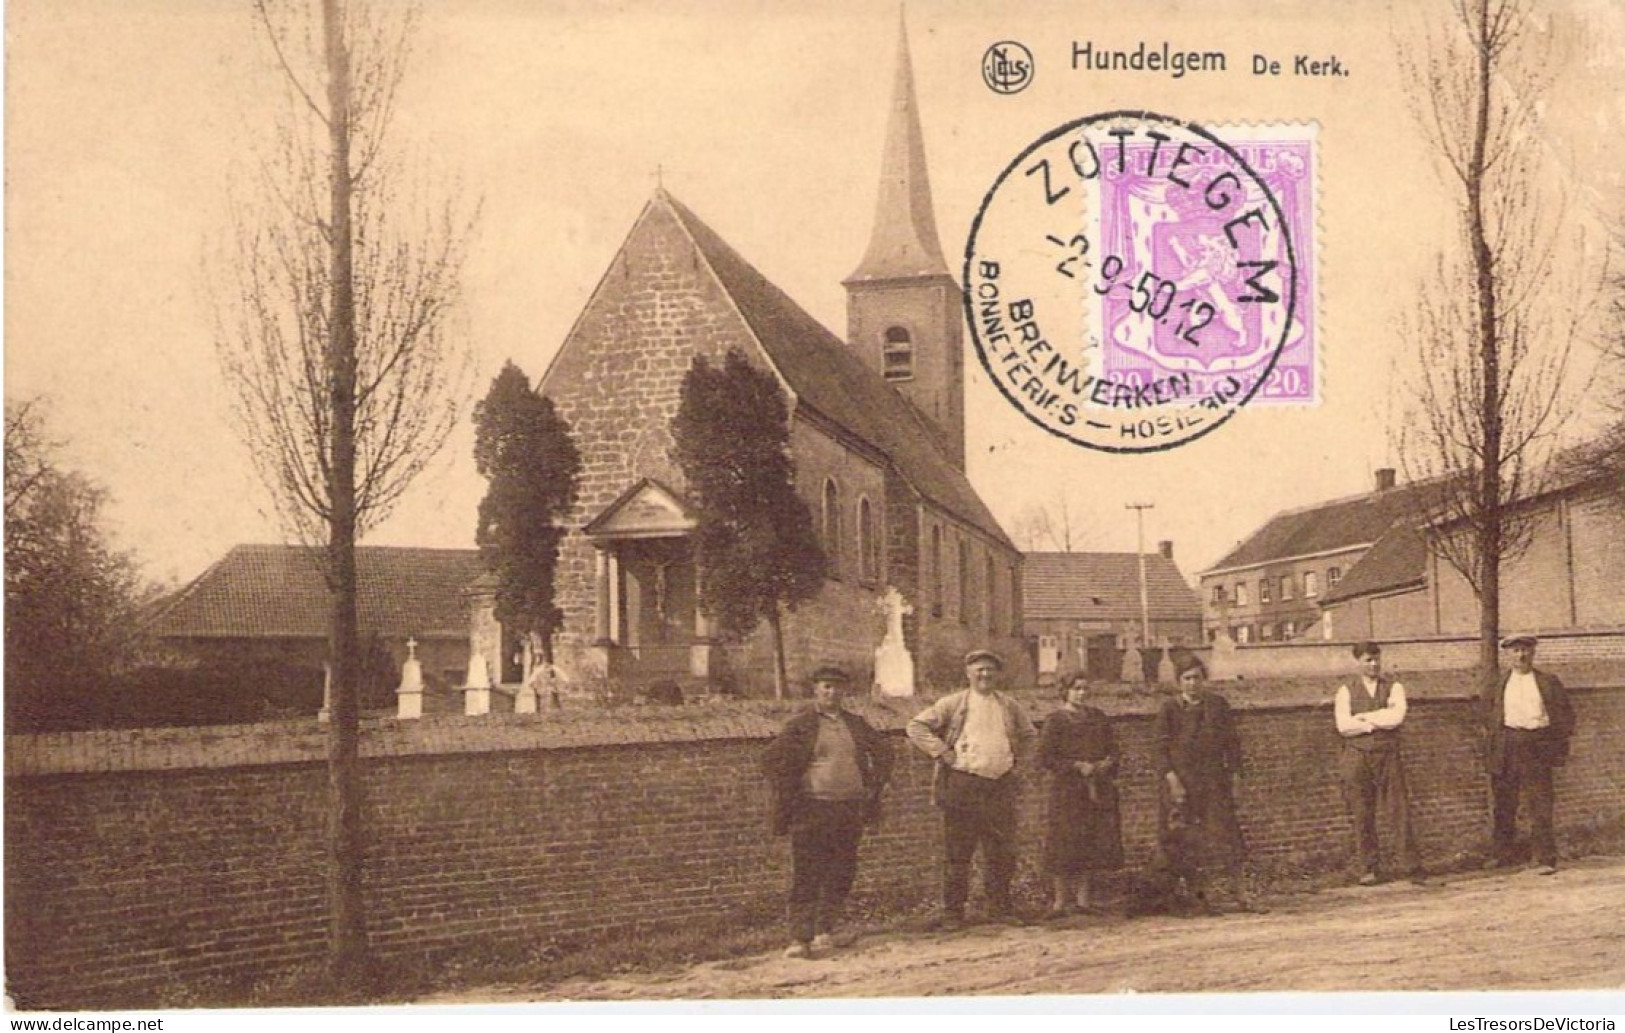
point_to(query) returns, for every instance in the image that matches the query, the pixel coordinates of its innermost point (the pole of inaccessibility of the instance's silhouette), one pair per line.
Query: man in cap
(1369, 711)
(826, 769)
(979, 738)
(1528, 720)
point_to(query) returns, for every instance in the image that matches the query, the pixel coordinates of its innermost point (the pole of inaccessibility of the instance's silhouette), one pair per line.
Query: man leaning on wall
(826, 769)
(1528, 721)
(980, 739)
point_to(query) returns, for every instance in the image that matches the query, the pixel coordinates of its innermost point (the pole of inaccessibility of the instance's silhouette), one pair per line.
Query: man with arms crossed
(1369, 712)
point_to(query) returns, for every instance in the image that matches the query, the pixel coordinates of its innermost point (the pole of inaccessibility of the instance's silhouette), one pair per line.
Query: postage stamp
(1133, 280)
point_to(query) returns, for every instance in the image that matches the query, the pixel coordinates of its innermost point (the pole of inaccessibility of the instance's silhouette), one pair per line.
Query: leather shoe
(1546, 869)
(1368, 879)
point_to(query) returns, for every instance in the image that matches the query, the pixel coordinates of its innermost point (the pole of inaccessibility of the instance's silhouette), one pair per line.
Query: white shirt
(1350, 724)
(984, 743)
(1522, 706)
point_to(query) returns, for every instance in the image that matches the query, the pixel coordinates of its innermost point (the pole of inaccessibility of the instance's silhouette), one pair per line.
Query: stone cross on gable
(412, 648)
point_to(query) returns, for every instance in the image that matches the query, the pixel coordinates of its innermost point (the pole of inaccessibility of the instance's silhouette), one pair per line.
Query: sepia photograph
(1076, 506)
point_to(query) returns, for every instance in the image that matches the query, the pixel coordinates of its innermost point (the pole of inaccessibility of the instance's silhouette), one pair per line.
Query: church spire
(904, 243)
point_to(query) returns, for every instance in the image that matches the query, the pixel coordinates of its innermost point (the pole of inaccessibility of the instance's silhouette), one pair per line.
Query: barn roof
(1104, 586)
(278, 591)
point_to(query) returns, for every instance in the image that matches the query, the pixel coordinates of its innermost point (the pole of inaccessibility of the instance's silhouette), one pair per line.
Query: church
(877, 436)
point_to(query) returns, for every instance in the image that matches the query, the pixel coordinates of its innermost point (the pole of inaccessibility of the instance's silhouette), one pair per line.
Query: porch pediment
(647, 510)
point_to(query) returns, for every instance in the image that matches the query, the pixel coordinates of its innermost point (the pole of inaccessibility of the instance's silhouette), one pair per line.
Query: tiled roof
(1104, 586)
(1398, 560)
(278, 591)
(829, 377)
(1328, 527)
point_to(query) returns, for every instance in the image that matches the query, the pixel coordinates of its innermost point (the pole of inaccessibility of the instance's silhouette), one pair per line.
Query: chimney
(1385, 478)
(1166, 547)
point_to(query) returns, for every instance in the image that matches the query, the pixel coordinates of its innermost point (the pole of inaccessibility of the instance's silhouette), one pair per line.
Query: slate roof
(277, 591)
(1104, 586)
(1398, 560)
(829, 377)
(1327, 527)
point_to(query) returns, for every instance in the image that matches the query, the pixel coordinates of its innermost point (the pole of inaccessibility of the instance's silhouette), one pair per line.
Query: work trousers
(1526, 768)
(978, 812)
(824, 861)
(1375, 793)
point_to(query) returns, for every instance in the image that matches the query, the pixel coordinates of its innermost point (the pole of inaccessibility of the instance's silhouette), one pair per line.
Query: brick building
(269, 604)
(1269, 587)
(1567, 579)
(1081, 610)
(877, 435)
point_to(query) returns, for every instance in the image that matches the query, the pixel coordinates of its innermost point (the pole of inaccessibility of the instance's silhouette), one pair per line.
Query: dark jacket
(787, 757)
(1558, 710)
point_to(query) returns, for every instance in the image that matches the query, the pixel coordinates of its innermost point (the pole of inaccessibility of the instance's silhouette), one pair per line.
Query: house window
(897, 357)
(1244, 634)
(832, 527)
(1288, 629)
(992, 594)
(936, 571)
(1286, 587)
(1311, 584)
(868, 553)
(1218, 594)
(1263, 590)
(964, 582)
(1333, 576)
(1266, 632)
(1241, 595)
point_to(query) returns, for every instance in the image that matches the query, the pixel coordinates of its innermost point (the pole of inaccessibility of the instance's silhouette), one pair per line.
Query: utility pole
(1139, 551)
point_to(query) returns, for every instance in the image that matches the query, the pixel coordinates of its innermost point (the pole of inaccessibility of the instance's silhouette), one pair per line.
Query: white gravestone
(409, 695)
(894, 667)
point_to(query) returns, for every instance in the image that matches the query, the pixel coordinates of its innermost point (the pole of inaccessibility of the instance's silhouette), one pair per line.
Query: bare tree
(1050, 527)
(335, 339)
(1487, 393)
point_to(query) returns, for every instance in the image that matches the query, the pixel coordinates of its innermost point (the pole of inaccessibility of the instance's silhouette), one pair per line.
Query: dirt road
(1495, 931)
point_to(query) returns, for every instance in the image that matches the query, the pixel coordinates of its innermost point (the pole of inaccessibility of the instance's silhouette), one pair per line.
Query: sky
(128, 121)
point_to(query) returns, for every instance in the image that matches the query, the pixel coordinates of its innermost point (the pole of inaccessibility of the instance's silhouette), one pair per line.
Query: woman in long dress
(1200, 758)
(1083, 834)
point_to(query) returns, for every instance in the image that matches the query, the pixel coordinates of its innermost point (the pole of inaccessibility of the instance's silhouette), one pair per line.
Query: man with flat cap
(1528, 720)
(826, 769)
(980, 738)
(1369, 711)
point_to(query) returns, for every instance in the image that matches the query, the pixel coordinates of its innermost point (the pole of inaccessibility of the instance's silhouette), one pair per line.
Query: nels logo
(1007, 67)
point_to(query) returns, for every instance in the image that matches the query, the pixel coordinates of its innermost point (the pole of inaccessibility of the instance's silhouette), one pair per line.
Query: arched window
(964, 582)
(936, 571)
(897, 356)
(868, 551)
(992, 570)
(832, 526)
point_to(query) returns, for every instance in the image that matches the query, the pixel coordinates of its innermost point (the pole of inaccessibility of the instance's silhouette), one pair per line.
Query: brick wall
(139, 859)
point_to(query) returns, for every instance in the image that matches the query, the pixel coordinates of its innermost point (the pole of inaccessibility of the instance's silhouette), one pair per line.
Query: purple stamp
(1132, 281)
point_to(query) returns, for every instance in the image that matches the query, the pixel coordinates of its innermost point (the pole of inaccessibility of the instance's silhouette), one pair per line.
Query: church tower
(903, 309)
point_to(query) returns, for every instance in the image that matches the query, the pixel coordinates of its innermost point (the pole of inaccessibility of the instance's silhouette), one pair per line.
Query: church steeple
(904, 242)
(903, 309)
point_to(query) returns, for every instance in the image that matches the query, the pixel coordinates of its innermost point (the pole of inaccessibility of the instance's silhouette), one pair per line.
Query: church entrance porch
(649, 627)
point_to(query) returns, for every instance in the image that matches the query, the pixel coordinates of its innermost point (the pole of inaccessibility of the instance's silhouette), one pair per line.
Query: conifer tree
(757, 552)
(522, 446)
